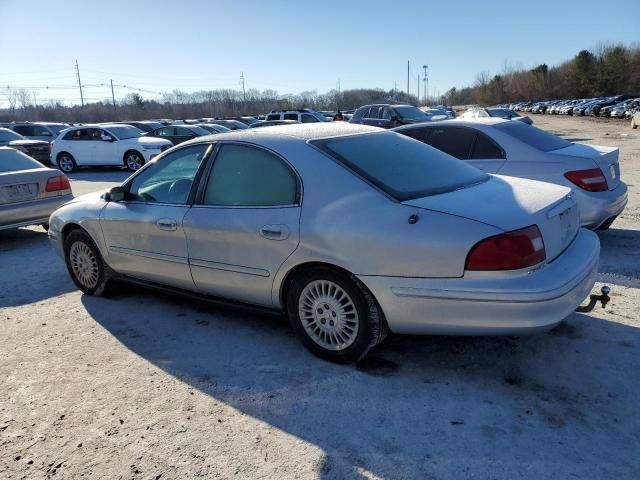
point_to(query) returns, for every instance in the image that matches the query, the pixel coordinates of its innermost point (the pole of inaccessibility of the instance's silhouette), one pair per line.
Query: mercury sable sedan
(350, 230)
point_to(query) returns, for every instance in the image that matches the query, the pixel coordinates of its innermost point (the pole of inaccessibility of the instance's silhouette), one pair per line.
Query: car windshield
(13, 161)
(7, 135)
(400, 166)
(124, 132)
(57, 128)
(532, 136)
(411, 113)
(200, 131)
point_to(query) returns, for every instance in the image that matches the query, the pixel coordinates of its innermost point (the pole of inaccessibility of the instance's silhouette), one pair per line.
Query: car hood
(510, 203)
(146, 140)
(28, 143)
(87, 197)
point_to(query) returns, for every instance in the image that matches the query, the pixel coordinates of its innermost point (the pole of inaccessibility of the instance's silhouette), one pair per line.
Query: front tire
(66, 162)
(334, 314)
(133, 161)
(85, 264)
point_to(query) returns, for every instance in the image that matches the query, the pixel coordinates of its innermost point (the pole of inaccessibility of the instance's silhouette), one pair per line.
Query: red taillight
(55, 184)
(591, 180)
(508, 251)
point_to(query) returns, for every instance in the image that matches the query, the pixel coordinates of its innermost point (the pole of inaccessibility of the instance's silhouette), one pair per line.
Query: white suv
(304, 115)
(110, 144)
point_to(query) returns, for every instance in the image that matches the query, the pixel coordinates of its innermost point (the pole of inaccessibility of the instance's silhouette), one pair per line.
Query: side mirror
(114, 194)
(106, 138)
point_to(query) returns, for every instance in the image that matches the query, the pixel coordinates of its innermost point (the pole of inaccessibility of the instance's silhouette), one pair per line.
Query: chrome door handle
(167, 224)
(275, 232)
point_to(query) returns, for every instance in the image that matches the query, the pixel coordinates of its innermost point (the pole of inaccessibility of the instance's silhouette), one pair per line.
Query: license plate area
(19, 192)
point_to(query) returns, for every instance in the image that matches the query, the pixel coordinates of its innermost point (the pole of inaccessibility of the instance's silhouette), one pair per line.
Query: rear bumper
(35, 212)
(491, 304)
(598, 207)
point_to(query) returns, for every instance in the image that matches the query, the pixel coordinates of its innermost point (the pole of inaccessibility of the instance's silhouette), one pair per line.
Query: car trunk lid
(25, 185)
(606, 158)
(510, 204)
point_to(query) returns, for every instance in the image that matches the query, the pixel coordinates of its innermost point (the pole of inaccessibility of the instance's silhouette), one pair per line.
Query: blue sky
(291, 46)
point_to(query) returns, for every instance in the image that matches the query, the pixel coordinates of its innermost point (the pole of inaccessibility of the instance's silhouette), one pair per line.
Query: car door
(79, 146)
(244, 224)
(144, 234)
(104, 151)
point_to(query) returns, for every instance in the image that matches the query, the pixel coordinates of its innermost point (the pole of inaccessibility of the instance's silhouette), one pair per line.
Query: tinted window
(484, 147)
(387, 113)
(95, 134)
(166, 132)
(532, 136)
(80, 134)
(25, 130)
(39, 130)
(456, 141)
(13, 161)
(7, 135)
(291, 116)
(306, 118)
(374, 112)
(420, 134)
(411, 113)
(247, 176)
(125, 131)
(169, 179)
(360, 113)
(274, 116)
(183, 132)
(400, 166)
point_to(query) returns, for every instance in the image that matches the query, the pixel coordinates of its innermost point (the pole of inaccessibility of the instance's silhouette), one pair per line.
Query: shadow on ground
(552, 405)
(620, 256)
(26, 253)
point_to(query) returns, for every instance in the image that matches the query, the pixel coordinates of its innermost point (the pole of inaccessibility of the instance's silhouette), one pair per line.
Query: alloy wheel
(66, 164)
(134, 162)
(328, 315)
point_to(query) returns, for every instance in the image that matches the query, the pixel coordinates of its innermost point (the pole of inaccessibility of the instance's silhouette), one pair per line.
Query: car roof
(300, 131)
(487, 121)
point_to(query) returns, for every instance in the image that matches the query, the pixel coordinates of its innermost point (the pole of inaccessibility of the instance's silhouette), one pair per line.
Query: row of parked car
(618, 106)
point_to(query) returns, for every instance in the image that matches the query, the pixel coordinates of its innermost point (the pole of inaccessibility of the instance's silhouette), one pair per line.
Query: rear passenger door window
(308, 118)
(291, 116)
(485, 148)
(456, 141)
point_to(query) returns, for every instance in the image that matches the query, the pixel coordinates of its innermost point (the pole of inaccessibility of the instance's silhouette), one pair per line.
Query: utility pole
(418, 97)
(338, 102)
(113, 97)
(407, 79)
(395, 88)
(79, 84)
(244, 94)
(424, 67)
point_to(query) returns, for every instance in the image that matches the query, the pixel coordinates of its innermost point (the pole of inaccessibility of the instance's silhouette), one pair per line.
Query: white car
(513, 148)
(102, 145)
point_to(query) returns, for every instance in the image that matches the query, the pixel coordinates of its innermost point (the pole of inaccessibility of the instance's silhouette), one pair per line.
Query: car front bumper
(597, 208)
(35, 212)
(505, 303)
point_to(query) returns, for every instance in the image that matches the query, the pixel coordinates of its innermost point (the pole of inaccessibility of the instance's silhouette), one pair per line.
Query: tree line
(180, 105)
(603, 71)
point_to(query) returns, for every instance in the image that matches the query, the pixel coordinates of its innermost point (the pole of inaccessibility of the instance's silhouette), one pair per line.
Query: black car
(144, 125)
(178, 133)
(389, 116)
(38, 149)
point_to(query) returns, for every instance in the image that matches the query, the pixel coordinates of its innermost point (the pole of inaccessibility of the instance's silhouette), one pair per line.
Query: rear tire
(66, 162)
(334, 314)
(85, 264)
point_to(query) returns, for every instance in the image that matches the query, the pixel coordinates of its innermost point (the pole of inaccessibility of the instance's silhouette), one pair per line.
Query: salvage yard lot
(145, 385)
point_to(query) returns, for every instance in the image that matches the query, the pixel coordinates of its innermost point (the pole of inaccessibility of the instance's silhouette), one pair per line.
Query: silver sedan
(350, 230)
(512, 148)
(29, 191)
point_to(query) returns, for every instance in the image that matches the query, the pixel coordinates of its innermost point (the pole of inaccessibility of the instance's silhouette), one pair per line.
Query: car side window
(374, 112)
(308, 118)
(250, 177)
(420, 134)
(183, 132)
(165, 132)
(95, 134)
(484, 147)
(274, 116)
(169, 179)
(80, 134)
(291, 116)
(40, 131)
(360, 113)
(456, 141)
(387, 113)
(26, 130)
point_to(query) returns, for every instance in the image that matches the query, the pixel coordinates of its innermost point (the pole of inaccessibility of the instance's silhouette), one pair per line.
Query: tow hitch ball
(603, 298)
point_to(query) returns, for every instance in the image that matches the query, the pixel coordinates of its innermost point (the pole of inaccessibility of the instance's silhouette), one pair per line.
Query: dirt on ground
(149, 386)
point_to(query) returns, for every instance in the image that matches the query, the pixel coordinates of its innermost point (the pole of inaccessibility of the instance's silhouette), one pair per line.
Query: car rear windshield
(57, 128)
(400, 166)
(14, 161)
(532, 136)
(125, 131)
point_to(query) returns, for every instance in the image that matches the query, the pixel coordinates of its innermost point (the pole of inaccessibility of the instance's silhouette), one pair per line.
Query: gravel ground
(148, 386)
